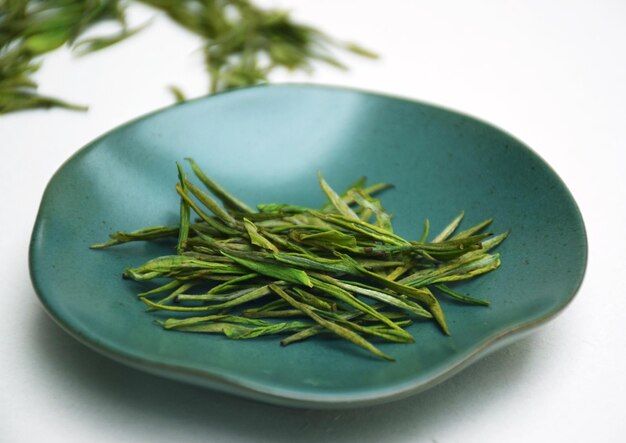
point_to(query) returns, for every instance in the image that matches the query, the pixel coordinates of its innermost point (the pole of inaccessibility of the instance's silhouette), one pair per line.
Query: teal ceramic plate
(266, 144)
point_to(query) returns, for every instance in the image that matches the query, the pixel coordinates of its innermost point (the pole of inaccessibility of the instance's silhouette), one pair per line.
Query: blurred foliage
(242, 43)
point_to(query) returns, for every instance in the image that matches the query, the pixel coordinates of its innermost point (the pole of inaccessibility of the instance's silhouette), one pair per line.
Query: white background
(551, 73)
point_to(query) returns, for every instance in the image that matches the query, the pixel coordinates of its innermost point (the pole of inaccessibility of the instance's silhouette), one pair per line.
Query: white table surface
(551, 73)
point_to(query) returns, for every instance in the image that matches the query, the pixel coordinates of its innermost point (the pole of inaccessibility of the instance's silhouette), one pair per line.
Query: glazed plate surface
(266, 144)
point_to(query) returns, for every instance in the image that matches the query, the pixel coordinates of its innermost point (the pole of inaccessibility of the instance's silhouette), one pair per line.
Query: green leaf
(228, 199)
(327, 239)
(448, 230)
(256, 238)
(463, 298)
(274, 270)
(145, 234)
(359, 50)
(89, 45)
(341, 206)
(245, 298)
(332, 327)
(379, 295)
(183, 232)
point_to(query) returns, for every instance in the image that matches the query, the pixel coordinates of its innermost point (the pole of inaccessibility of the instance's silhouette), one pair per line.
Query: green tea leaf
(256, 238)
(448, 230)
(183, 231)
(228, 199)
(274, 270)
(331, 326)
(336, 200)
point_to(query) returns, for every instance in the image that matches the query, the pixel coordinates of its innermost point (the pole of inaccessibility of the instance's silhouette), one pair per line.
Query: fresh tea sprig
(242, 44)
(286, 269)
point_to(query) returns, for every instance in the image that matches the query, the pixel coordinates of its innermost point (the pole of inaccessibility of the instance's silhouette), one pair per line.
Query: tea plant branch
(242, 44)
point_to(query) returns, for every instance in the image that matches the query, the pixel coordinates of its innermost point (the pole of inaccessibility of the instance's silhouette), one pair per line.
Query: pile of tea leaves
(289, 270)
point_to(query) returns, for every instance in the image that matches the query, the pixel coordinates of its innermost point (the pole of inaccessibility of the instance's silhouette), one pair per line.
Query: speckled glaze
(265, 144)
